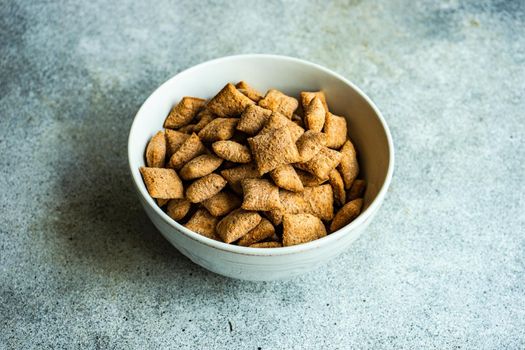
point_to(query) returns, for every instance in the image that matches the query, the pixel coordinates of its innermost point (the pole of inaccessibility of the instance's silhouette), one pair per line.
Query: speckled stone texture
(442, 266)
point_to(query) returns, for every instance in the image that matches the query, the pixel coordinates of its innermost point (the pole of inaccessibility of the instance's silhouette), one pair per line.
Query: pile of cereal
(257, 171)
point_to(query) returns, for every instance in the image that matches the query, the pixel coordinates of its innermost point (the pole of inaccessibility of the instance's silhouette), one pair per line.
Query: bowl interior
(264, 72)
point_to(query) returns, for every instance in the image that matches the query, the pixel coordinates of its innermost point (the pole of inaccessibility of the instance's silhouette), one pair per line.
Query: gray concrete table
(442, 266)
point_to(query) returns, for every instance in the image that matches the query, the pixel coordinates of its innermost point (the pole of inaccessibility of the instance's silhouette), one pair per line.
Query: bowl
(367, 130)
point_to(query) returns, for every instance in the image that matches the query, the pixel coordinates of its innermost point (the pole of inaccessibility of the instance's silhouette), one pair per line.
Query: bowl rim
(333, 237)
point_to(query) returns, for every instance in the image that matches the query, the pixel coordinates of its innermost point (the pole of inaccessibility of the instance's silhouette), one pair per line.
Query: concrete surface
(442, 266)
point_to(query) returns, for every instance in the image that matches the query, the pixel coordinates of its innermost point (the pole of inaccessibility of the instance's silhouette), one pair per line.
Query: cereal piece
(293, 202)
(338, 186)
(356, 190)
(162, 183)
(308, 179)
(349, 167)
(203, 223)
(314, 115)
(307, 97)
(232, 151)
(266, 245)
(183, 113)
(273, 149)
(218, 129)
(253, 119)
(205, 187)
(162, 202)
(229, 102)
(200, 166)
(279, 102)
(346, 214)
(235, 175)
(275, 216)
(178, 208)
(262, 231)
(301, 228)
(285, 177)
(309, 144)
(222, 203)
(190, 149)
(335, 130)
(297, 119)
(204, 117)
(187, 129)
(156, 151)
(174, 139)
(247, 90)
(277, 121)
(236, 224)
(322, 163)
(260, 194)
(320, 201)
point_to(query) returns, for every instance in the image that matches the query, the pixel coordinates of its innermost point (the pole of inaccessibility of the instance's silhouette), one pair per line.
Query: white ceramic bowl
(367, 129)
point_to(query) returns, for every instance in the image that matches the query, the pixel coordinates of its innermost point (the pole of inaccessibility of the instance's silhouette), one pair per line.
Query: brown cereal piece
(275, 216)
(260, 194)
(297, 119)
(174, 139)
(349, 167)
(346, 214)
(309, 144)
(322, 163)
(162, 183)
(184, 112)
(356, 190)
(218, 129)
(204, 117)
(262, 231)
(279, 102)
(273, 149)
(308, 179)
(156, 151)
(162, 202)
(187, 129)
(247, 90)
(320, 201)
(277, 121)
(285, 177)
(205, 187)
(200, 166)
(178, 208)
(293, 202)
(190, 149)
(307, 97)
(229, 102)
(222, 203)
(314, 115)
(338, 186)
(301, 228)
(236, 224)
(203, 223)
(232, 151)
(253, 119)
(266, 245)
(335, 130)
(234, 176)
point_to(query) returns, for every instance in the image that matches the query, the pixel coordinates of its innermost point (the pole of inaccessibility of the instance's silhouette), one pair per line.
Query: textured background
(442, 266)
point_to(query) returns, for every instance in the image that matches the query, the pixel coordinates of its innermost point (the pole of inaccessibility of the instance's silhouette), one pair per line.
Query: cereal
(253, 119)
(205, 187)
(204, 117)
(285, 177)
(229, 102)
(218, 129)
(184, 112)
(301, 228)
(309, 144)
(322, 163)
(279, 102)
(335, 130)
(266, 245)
(293, 202)
(162, 202)
(260, 232)
(349, 167)
(174, 139)
(247, 90)
(232, 151)
(260, 194)
(297, 119)
(178, 208)
(356, 190)
(307, 97)
(320, 201)
(222, 203)
(162, 183)
(187, 129)
(236, 224)
(277, 121)
(338, 186)
(200, 166)
(314, 115)
(190, 149)
(235, 175)
(156, 151)
(308, 179)
(346, 214)
(273, 149)
(203, 223)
